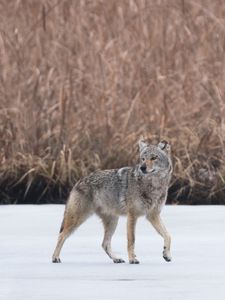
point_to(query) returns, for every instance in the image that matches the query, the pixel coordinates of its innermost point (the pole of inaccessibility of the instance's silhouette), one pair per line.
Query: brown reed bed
(80, 81)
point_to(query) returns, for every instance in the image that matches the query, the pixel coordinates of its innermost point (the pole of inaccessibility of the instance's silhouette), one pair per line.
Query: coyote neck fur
(150, 190)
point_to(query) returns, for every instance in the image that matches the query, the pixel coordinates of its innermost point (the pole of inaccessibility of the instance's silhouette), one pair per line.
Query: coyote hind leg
(61, 239)
(110, 222)
(74, 216)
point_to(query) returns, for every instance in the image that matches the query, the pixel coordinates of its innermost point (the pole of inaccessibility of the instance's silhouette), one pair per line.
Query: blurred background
(81, 81)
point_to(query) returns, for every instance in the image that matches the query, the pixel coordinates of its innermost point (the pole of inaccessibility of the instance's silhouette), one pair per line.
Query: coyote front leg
(161, 229)
(131, 224)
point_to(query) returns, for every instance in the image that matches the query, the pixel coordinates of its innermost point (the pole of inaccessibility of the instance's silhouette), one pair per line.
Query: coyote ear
(142, 144)
(164, 145)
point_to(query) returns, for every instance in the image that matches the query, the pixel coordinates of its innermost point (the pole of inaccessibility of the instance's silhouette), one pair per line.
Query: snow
(28, 236)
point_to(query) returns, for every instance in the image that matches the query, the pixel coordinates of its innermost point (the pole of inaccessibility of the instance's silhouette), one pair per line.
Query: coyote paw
(56, 260)
(134, 261)
(118, 261)
(167, 256)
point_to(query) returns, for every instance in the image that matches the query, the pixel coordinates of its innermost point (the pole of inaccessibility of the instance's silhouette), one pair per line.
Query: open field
(28, 236)
(80, 81)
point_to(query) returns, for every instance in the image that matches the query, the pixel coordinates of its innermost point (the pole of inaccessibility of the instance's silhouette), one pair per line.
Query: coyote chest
(150, 194)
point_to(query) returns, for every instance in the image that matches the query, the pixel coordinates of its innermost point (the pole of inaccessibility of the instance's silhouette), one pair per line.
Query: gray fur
(133, 191)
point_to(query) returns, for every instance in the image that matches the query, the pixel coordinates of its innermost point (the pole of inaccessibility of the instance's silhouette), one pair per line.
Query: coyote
(132, 191)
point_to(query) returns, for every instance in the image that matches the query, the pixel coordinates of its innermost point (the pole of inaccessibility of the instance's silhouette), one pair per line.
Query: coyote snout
(132, 191)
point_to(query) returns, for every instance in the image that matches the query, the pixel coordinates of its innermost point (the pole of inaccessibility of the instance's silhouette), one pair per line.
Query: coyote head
(155, 158)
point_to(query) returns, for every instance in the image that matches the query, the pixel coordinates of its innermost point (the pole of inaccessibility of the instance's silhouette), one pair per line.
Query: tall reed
(80, 81)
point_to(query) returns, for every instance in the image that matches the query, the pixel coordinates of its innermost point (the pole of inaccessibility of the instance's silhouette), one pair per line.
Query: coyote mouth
(145, 171)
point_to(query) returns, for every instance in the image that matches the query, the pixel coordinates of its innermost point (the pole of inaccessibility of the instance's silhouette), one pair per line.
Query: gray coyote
(132, 191)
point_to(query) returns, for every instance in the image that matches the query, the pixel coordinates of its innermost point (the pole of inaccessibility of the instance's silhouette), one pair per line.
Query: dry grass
(80, 81)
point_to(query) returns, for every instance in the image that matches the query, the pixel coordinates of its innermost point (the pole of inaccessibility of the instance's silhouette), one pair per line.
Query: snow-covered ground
(28, 236)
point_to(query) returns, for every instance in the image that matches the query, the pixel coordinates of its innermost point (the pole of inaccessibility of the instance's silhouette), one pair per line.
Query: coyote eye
(154, 157)
(143, 159)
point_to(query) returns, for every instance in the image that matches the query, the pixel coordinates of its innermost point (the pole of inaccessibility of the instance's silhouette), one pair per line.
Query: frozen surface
(28, 236)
